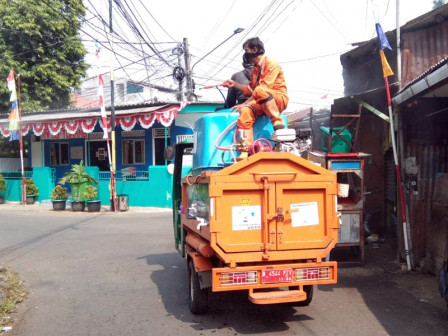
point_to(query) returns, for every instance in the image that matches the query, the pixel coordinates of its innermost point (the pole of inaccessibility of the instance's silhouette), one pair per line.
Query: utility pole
(112, 116)
(187, 68)
(398, 45)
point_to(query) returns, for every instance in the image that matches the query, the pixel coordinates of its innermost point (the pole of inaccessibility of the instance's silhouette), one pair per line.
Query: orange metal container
(271, 220)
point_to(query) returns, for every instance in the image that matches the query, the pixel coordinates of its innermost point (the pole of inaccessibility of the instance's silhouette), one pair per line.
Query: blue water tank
(208, 129)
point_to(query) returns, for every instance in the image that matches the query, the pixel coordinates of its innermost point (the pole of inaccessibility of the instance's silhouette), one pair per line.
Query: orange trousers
(248, 115)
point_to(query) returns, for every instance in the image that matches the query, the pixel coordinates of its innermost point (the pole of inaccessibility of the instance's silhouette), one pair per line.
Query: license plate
(276, 275)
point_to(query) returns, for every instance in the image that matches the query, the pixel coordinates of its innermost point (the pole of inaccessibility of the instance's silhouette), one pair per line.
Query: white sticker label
(304, 214)
(246, 217)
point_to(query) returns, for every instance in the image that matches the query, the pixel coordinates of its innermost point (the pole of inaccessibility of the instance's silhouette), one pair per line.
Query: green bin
(338, 145)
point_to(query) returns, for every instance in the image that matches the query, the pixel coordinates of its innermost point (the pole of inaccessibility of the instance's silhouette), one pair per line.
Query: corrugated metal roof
(432, 18)
(433, 81)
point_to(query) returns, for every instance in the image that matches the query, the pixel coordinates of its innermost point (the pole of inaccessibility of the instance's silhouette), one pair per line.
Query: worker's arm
(230, 83)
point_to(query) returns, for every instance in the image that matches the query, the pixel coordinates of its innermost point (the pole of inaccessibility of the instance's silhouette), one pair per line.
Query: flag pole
(387, 71)
(400, 184)
(21, 143)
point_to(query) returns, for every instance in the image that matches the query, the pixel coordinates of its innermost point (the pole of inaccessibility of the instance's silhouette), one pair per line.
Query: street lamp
(190, 71)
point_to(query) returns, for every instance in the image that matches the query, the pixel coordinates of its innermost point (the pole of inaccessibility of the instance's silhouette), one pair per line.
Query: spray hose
(221, 135)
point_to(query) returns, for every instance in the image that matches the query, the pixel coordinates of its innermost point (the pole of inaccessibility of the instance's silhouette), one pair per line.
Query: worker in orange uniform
(266, 91)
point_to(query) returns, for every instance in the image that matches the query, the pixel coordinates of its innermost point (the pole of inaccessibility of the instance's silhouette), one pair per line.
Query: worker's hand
(228, 83)
(237, 108)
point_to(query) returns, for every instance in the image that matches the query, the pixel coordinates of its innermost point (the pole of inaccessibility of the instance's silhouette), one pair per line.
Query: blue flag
(382, 39)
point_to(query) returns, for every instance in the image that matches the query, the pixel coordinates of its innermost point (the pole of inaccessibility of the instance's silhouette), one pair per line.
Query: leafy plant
(30, 187)
(77, 176)
(91, 193)
(59, 193)
(2, 184)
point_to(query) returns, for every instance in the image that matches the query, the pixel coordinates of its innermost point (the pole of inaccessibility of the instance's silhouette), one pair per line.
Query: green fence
(151, 188)
(43, 177)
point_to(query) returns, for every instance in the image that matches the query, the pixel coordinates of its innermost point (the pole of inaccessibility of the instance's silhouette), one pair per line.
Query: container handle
(276, 176)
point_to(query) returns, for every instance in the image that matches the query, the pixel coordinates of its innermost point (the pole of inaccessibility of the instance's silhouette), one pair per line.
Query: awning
(79, 123)
(432, 83)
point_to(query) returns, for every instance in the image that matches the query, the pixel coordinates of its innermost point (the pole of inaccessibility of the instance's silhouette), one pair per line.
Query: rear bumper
(278, 296)
(254, 277)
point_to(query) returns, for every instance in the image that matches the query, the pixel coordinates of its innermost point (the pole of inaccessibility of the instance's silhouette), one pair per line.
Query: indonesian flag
(103, 108)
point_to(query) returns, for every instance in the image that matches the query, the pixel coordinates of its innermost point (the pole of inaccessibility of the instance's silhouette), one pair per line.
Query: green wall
(156, 192)
(43, 178)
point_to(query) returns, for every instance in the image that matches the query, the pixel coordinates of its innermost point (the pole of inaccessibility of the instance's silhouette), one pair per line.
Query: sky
(306, 37)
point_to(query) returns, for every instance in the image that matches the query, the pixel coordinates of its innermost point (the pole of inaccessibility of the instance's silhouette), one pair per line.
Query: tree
(39, 39)
(438, 3)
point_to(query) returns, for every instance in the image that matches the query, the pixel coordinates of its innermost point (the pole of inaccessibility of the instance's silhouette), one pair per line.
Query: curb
(45, 208)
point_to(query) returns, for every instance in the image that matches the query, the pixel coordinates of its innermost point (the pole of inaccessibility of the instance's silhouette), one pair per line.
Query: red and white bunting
(38, 128)
(88, 125)
(71, 126)
(127, 123)
(4, 130)
(25, 129)
(83, 126)
(106, 125)
(54, 127)
(147, 120)
(167, 116)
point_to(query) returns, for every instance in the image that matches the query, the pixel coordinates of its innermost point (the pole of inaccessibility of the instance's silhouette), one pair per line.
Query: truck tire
(308, 289)
(198, 296)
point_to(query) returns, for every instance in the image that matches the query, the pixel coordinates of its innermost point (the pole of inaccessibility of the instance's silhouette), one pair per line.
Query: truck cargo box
(272, 206)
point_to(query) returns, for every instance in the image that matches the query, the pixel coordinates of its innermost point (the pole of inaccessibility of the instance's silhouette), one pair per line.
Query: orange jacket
(270, 76)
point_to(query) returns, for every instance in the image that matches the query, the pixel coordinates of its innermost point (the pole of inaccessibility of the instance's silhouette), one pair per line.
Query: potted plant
(2, 189)
(91, 193)
(59, 197)
(78, 179)
(31, 191)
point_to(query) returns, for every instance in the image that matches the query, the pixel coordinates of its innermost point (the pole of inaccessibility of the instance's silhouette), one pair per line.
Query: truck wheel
(198, 296)
(308, 289)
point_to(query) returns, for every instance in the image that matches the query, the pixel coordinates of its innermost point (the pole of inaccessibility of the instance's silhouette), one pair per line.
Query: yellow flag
(387, 71)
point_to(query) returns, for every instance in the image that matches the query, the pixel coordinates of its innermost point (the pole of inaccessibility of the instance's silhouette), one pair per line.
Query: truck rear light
(312, 273)
(239, 278)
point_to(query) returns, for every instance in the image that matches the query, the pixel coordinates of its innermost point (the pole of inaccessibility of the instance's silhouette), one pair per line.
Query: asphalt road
(119, 274)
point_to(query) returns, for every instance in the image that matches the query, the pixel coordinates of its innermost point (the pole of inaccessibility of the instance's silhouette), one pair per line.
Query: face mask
(247, 57)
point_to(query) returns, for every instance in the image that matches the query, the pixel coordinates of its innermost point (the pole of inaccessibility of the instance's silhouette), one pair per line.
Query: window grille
(133, 134)
(160, 132)
(96, 135)
(184, 137)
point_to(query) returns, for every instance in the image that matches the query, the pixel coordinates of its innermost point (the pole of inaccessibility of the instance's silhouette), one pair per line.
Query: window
(134, 88)
(59, 154)
(133, 151)
(161, 136)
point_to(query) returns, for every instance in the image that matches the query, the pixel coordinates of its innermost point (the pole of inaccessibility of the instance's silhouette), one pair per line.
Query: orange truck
(265, 224)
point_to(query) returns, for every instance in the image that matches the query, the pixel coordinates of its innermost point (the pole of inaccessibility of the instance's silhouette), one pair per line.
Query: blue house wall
(142, 175)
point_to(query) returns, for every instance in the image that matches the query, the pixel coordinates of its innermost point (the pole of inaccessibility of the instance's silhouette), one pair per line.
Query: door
(98, 155)
(307, 215)
(240, 218)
